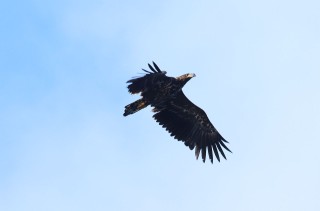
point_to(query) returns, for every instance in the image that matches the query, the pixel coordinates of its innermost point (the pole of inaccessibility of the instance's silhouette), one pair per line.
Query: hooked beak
(191, 75)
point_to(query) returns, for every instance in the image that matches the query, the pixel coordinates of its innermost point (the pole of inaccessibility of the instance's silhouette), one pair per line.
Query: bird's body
(181, 118)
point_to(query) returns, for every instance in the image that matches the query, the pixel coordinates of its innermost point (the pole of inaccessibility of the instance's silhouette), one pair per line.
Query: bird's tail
(135, 106)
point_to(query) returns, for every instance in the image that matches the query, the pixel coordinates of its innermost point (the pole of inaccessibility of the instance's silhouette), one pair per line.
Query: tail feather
(135, 106)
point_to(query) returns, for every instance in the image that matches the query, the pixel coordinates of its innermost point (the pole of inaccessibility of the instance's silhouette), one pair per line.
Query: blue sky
(64, 144)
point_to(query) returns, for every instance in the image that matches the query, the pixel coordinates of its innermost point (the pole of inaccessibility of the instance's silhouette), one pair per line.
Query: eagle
(184, 120)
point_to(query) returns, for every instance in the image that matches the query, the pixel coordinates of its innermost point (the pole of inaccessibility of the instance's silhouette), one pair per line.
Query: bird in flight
(184, 120)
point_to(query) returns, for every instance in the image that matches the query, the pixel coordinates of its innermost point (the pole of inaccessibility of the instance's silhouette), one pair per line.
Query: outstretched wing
(139, 84)
(188, 123)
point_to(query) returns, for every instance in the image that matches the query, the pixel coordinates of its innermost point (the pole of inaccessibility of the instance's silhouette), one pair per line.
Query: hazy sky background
(64, 144)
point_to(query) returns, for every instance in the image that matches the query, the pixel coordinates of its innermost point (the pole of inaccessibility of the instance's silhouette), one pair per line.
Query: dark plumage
(175, 112)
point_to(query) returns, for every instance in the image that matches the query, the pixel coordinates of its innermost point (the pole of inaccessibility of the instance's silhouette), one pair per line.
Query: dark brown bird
(175, 112)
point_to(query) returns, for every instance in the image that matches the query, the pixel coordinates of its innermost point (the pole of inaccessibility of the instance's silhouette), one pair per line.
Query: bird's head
(190, 75)
(186, 77)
